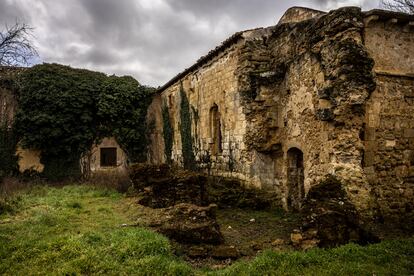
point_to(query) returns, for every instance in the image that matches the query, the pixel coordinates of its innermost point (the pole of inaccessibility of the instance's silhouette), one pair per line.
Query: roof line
(202, 60)
(238, 35)
(305, 8)
(389, 14)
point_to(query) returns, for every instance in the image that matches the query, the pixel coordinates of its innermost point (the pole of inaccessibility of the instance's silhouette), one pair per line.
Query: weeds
(77, 230)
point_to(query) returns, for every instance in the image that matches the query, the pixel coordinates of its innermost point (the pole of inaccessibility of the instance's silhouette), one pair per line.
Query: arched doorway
(215, 130)
(295, 178)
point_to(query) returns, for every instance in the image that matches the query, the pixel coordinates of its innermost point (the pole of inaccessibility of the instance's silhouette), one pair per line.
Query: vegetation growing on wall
(122, 107)
(167, 133)
(63, 111)
(196, 118)
(185, 131)
(8, 137)
(232, 160)
(8, 142)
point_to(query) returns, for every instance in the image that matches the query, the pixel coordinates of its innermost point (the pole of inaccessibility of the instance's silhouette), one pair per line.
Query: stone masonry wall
(213, 84)
(307, 88)
(308, 95)
(389, 119)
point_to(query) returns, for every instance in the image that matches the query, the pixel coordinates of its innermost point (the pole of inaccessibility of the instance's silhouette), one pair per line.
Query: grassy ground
(78, 230)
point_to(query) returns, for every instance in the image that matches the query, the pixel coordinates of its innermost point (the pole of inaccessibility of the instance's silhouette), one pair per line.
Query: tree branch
(16, 48)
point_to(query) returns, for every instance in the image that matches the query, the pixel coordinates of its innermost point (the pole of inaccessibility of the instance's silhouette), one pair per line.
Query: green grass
(77, 230)
(386, 258)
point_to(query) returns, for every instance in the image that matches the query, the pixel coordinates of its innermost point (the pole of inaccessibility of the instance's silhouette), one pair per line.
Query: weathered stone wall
(297, 14)
(390, 41)
(389, 145)
(95, 157)
(213, 84)
(29, 160)
(156, 149)
(294, 103)
(308, 95)
(389, 118)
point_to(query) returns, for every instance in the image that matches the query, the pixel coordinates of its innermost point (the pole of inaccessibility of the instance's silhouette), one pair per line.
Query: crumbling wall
(308, 95)
(156, 147)
(213, 84)
(389, 119)
(297, 14)
(305, 87)
(29, 160)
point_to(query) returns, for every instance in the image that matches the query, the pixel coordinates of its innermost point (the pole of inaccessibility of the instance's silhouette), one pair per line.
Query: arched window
(215, 130)
(295, 178)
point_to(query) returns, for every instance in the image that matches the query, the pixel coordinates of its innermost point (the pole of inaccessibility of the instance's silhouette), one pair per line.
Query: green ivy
(122, 108)
(8, 143)
(167, 133)
(185, 131)
(196, 118)
(63, 111)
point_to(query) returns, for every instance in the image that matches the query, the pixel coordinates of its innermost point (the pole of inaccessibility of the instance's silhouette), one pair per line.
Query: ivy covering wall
(168, 133)
(8, 143)
(63, 111)
(185, 131)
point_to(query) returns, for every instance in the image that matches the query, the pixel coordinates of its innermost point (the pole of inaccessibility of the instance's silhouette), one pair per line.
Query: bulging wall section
(308, 94)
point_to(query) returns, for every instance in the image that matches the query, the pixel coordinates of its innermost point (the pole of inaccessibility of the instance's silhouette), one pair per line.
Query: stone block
(369, 158)
(369, 134)
(390, 143)
(373, 120)
(325, 104)
(409, 133)
(371, 145)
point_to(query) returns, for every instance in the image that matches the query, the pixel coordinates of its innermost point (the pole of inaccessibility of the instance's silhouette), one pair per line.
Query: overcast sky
(152, 40)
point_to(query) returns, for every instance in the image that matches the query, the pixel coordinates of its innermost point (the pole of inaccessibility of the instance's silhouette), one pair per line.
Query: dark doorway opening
(108, 157)
(296, 189)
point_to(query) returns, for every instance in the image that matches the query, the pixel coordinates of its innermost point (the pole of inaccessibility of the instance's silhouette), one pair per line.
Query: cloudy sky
(152, 40)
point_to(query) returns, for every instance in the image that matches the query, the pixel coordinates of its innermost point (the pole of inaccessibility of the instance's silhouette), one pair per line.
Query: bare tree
(16, 48)
(406, 6)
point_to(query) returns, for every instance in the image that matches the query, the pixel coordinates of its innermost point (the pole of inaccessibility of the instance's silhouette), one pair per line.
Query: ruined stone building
(282, 107)
(105, 156)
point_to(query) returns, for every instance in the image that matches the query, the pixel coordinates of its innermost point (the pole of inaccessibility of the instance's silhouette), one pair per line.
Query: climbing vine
(8, 143)
(8, 137)
(196, 118)
(63, 111)
(122, 108)
(231, 161)
(167, 132)
(185, 131)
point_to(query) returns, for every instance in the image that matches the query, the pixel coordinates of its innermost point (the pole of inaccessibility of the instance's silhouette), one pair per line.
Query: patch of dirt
(211, 221)
(246, 233)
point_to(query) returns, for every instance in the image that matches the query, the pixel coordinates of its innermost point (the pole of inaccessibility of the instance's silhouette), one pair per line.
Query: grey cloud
(152, 40)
